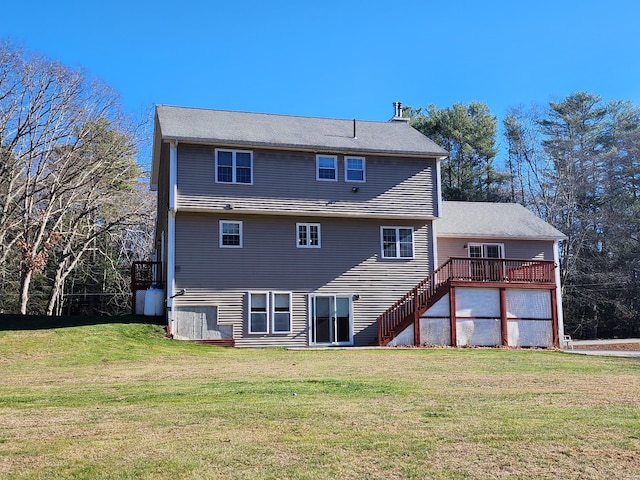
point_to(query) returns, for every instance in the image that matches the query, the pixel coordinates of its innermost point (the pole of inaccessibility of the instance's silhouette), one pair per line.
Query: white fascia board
(497, 237)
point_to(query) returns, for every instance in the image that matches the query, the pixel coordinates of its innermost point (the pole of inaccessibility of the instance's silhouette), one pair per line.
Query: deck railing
(143, 275)
(461, 269)
(502, 270)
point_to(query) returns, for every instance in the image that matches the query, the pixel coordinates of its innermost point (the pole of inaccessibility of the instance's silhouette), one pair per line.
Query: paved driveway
(602, 348)
(607, 353)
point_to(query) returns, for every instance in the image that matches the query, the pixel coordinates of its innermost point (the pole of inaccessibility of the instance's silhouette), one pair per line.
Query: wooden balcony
(500, 270)
(457, 271)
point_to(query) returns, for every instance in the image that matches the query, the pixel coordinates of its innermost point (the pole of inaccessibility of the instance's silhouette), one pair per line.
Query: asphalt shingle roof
(496, 220)
(307, 133)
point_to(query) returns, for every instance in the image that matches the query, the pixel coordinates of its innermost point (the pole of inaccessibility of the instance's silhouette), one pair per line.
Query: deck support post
(416, 318)
(452, 316)
(504, 321)
(554, 318)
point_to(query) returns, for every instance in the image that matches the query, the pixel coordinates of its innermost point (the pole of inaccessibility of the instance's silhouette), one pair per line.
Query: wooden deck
(462, 271)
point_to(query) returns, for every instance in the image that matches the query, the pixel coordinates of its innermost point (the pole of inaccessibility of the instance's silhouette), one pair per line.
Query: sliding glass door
(330, 320)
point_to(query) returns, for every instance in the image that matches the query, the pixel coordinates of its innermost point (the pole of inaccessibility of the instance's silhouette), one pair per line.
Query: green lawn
(119, 401)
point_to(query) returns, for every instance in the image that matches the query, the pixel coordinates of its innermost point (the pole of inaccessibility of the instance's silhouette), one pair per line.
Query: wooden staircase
(475, 272)
(413, 304)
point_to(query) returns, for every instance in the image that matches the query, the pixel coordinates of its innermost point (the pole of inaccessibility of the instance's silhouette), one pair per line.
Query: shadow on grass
(42, 322)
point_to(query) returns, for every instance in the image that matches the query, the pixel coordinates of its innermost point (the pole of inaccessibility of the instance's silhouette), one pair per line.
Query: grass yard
(118, 401)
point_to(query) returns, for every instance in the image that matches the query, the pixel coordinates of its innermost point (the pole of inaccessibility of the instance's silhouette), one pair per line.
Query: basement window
(269, 312)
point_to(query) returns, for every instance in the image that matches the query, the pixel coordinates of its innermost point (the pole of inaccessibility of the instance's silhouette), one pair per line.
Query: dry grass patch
(121, 402)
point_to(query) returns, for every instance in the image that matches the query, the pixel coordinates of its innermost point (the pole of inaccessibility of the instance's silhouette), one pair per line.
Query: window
(354, 170)
(308, 235)
(269, 312)
(326, 167)
(230, 234)
(397, 242)
(486, 250)
(234, 166)
(258, 308)
(281, 313)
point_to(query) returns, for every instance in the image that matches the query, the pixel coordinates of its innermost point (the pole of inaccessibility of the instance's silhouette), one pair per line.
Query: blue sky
(339, 59)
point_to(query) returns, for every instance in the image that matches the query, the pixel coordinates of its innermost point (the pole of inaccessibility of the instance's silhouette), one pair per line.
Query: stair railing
(412, 302)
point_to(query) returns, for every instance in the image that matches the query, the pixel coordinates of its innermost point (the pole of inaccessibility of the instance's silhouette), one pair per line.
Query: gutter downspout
(556, 261)
(171, 233)
(434, 232)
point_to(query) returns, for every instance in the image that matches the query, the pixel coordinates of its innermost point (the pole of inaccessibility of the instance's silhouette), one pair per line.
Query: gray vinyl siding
(521, 249)
(534, 249)
(285, 182)
(348, 263)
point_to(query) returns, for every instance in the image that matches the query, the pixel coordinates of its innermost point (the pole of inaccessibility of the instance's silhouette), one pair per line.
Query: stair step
(223, 342)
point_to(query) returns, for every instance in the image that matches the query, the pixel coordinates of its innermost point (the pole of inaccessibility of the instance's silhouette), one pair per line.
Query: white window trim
(233, 166)
(364, 169)
(270, 313)
(397, 229)
(483, 248)
(222, 222)
(308, 229)
(335, 168)
(273, 313)
(249, 324)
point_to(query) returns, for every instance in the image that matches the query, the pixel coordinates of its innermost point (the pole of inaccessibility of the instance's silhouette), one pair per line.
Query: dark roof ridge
(286, 115)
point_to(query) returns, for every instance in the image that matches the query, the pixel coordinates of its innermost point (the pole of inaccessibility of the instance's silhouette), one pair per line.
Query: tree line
(73, 211)
(576, 164)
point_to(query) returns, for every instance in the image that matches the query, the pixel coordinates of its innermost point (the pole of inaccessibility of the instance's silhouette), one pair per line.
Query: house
(278, 230)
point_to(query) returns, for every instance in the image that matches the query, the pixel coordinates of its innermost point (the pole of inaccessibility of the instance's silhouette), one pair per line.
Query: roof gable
(493, 220)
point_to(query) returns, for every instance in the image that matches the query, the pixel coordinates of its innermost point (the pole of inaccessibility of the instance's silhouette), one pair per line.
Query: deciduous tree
(67, 169)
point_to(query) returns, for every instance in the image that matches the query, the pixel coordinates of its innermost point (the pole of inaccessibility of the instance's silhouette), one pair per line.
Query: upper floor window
(397, 242)
(354, 170)
(308, 235)
(327, 167)
(234, 166)
(230, 234)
